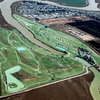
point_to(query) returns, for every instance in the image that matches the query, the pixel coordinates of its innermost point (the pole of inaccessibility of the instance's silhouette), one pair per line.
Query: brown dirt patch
(71, 89)
(24, 76)
(14, 6)
(62, 20)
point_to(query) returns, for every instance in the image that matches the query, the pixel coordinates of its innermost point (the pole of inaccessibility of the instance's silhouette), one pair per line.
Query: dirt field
(62, 20)
(24, 76)
(13, 7)
(72, 89)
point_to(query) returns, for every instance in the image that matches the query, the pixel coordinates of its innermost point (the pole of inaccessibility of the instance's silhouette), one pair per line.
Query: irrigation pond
(21, 48)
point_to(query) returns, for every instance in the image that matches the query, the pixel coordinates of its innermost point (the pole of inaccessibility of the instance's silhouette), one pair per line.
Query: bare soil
(71, 89)
(24, 76)
(63, 20)
(14, 6)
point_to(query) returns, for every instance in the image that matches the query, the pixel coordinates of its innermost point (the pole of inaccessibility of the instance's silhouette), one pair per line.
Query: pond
(60, 48)
(73, 2)
(21, 48)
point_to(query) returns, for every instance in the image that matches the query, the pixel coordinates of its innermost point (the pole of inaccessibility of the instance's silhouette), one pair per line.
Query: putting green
(12, 80)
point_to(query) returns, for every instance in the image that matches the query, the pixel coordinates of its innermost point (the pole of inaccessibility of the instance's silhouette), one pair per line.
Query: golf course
(25, 65)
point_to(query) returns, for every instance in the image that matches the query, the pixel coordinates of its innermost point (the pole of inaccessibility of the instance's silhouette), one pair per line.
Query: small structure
(85, 54)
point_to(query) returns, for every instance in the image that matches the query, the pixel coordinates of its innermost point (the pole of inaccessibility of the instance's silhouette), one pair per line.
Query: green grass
(12, 85)
(1, 58)
(3, 37)
(26, 61)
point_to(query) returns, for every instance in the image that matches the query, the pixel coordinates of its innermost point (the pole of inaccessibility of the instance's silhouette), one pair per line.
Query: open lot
(63, 20)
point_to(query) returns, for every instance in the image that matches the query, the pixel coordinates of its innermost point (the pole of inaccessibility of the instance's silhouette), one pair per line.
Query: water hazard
(21, 48)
